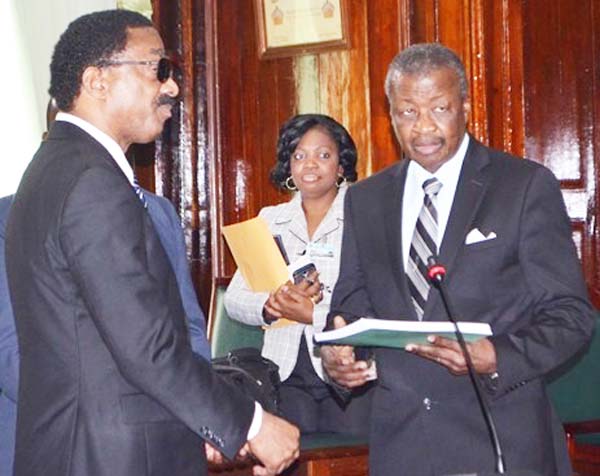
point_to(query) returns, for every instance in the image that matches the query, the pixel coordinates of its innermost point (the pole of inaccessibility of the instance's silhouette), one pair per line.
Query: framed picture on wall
(289, 27)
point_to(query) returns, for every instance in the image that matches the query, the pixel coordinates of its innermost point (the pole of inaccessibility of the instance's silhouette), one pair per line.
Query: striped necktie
(422, 246)
(139, 191)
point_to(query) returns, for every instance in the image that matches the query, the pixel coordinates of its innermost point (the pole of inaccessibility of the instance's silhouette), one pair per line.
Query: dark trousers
(310, 403)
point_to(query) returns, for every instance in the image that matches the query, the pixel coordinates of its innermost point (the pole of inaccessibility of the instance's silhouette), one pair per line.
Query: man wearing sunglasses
(168, 227)
(108, 381)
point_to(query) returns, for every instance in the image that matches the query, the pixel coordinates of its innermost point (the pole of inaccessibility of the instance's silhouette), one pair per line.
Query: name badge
(321, 250)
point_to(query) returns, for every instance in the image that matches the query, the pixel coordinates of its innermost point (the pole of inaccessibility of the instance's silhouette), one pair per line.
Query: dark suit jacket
(108, 381)
(167, 226)
(527, 284)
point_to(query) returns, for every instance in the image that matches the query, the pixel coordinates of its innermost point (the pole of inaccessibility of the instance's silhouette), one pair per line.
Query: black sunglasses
(164, 66)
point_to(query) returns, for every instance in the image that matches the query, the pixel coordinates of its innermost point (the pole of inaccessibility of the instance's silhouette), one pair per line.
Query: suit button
(427, 403)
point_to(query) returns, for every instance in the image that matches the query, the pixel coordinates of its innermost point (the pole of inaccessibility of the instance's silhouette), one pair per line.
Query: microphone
(437, 273)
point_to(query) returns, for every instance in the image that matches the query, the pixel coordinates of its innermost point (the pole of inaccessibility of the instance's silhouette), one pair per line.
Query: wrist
(268, 318)
(308, 318)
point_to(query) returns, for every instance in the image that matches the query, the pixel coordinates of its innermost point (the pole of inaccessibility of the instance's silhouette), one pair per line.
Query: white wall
(29, 29)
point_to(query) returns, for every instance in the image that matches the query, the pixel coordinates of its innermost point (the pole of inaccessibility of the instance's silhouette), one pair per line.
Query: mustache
(165, 100)
(428, 141)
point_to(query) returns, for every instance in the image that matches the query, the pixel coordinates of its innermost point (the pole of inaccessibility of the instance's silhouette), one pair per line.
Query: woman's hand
(311, 287)
(295, 301)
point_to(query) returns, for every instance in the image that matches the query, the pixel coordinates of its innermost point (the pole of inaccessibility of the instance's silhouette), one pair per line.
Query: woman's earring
(290, 185)
(341, 180)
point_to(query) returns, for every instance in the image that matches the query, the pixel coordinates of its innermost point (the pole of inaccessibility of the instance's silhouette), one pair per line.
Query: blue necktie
(139, 191)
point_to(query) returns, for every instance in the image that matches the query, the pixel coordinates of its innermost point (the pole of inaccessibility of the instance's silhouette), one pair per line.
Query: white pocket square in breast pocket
(475, 236)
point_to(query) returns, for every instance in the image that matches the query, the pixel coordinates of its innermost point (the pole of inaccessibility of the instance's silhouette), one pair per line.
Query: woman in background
(316, 157)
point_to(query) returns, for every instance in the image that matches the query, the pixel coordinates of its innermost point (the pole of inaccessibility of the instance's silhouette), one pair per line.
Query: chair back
(575, 387)
(224, 333)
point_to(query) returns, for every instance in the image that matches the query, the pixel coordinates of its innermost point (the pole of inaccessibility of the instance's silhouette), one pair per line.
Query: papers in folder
(256, 254)
(367, 332)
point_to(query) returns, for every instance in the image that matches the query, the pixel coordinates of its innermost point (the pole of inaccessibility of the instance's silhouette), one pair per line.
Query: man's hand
(447, 352)
(340, 364)
(276, 446)
(213, 455)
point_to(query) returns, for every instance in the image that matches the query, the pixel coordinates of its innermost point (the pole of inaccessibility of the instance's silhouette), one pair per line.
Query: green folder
(366, 332)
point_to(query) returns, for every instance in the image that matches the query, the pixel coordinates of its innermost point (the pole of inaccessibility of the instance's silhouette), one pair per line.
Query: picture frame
(285, 28)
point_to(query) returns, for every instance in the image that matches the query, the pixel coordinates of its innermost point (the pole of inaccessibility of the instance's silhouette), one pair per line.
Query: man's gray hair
(423, 58)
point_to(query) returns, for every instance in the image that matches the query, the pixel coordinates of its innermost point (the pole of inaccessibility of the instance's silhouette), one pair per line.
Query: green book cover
(366, 332)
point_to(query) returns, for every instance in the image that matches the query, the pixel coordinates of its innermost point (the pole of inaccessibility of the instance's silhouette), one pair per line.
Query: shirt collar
(104, 139)
(294, 207)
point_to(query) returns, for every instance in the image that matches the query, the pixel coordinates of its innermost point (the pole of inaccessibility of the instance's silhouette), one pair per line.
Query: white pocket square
(475, 236)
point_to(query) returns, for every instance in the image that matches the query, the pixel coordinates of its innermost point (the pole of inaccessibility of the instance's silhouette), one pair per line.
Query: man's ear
(94, 82)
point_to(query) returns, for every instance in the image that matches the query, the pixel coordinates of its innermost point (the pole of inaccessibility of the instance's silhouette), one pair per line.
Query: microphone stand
(437, 273)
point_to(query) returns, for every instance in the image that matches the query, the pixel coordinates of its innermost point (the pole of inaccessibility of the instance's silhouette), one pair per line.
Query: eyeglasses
(164, 66)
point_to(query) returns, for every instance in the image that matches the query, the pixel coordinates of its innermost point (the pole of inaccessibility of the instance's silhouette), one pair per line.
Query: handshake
(275, 447)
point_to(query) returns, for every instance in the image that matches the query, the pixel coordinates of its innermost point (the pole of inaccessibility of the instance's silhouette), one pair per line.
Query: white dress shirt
(412, 201)
(118, 155)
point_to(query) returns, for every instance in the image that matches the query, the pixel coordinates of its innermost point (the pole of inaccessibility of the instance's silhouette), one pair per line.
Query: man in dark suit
(109, 384)
(167, 226)
(499, 225)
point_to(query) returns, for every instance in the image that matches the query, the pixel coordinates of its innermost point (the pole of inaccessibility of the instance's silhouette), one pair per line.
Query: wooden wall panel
(254, 98)
(214, 156)
(460, 25)
(559, 87)
(503, 48)
(533, 70)
(487, 36)
(350, 82)
(561, 84)
(388, 32)
(424, 21)
(342, 81)
(182, 158)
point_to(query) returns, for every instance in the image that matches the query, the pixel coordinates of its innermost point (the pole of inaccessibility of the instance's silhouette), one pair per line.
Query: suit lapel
(334, 218)
(329, 224)
(470, 191)
(294, 215)
(392, 200)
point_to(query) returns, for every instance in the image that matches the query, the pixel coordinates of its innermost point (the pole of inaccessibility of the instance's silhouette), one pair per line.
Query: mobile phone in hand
(303, 272)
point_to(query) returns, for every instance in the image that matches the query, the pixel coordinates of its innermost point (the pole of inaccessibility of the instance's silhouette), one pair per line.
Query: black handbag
(253, 374)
